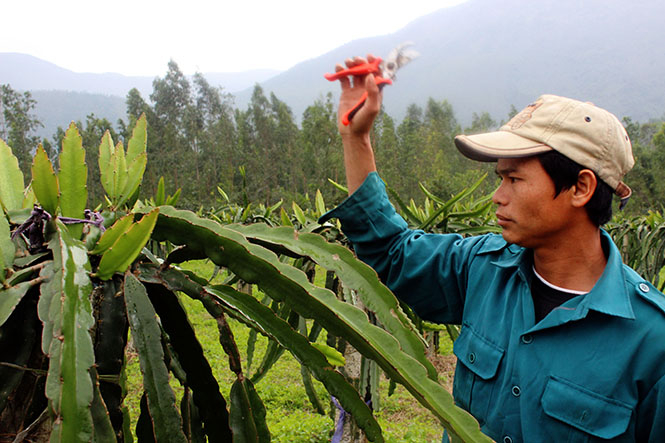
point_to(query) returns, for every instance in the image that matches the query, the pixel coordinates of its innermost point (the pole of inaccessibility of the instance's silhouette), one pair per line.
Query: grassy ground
(291, 418)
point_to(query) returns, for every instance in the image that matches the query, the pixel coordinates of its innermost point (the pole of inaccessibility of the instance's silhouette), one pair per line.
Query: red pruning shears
(383, 70)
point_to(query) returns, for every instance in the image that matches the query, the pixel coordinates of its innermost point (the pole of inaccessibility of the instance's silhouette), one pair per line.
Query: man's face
(527, 211)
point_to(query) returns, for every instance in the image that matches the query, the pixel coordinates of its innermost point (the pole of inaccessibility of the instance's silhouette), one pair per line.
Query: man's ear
(584, 189)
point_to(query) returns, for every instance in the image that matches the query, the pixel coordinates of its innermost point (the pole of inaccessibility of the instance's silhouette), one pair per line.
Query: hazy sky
(139, 37)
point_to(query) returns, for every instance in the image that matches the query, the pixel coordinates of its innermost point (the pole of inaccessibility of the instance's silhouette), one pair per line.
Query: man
(559, 341)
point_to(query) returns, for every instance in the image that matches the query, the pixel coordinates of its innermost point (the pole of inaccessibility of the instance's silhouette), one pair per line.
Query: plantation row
(75, 281)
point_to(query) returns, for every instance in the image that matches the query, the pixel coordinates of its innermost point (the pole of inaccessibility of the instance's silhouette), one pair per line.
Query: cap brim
(492, 146)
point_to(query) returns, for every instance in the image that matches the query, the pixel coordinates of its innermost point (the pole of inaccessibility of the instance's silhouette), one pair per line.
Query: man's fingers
(358, 80)
(355, 61)
(343, 81)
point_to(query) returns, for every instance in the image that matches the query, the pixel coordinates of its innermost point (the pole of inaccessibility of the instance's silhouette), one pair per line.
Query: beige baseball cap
(583, 132)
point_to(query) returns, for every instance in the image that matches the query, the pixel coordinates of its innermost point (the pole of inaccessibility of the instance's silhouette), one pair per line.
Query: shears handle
(348, 115)
(364, 69)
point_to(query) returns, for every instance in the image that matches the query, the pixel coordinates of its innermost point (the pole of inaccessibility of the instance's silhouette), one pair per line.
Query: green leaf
(342, 188)
(354, 275)
(160, 197)
(305, 352)
(145, 428)
(448, 204)
(206, 393)
(137, 143)
(408, 212)
(263, 319)
(136, 160)
(7, 247)
(119, 171)
(307, 375)
(257, 265)
(110, 344)
(112, 234)
(172, 200)
(146, 334)
(273, 208)
(127, 247)
(72, 179)
(10, 298)
(225, 197)
(320, 204)
(333, 356)
(106, 150)
(18, 337)
(29, 197)
(44, 181)
(286, 221)
(300, 215)
(247, 414)
(272, 354)
(11, 179)
(102, 429)
(29, 259)
(65, 310)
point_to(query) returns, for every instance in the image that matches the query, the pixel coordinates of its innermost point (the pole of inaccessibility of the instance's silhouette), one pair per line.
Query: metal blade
(398, 57)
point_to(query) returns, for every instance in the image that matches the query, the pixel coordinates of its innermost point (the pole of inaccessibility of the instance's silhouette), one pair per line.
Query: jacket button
(526, 339)
(472, 357)
(507, 439)
(516, 391)
(644, 287)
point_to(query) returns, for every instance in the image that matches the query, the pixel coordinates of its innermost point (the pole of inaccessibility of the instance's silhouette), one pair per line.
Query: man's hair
(564, 172)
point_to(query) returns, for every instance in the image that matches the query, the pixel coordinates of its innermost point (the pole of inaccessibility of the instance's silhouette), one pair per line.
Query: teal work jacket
(592, 370)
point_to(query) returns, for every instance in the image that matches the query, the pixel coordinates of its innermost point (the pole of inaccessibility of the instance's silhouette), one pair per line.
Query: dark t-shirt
(546, 298)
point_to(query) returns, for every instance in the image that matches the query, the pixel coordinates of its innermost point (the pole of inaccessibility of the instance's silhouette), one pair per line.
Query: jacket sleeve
(427, 271)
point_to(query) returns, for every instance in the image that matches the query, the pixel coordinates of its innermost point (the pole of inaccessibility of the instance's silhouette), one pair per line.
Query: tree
(214, 133)
(411, 133)
(480, 123)
(441, 160)
(17, 124)
(386, 148)
(321, 148)
(289, 174)
(646, 177)
(170, 150)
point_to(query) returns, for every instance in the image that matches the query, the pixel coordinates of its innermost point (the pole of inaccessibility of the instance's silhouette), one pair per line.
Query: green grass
(290, 416)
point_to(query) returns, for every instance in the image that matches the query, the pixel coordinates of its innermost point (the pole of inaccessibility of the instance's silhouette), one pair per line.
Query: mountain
(64, 96)
(484, 55)
(481, 55)
(25, 72)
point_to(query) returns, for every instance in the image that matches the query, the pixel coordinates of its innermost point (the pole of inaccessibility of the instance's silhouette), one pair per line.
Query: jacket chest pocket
(587, 415)
(474, 382)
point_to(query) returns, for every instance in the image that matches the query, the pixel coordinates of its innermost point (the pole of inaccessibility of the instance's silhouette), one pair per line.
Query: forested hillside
(480, 56)
(199, 140)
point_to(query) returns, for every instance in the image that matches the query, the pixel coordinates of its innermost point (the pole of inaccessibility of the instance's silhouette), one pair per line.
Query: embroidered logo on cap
(524, 115)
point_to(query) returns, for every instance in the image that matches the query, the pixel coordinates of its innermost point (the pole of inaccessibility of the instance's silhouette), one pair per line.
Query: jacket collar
(609, 295)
